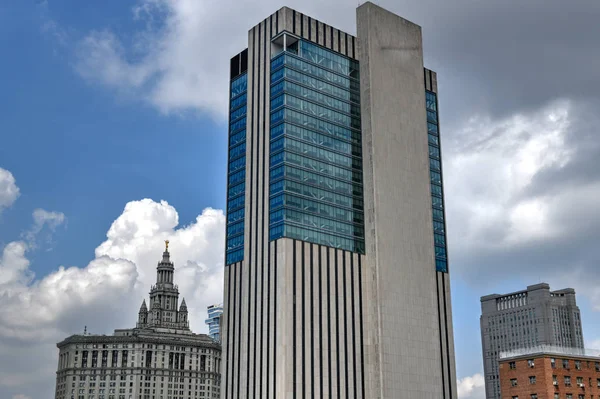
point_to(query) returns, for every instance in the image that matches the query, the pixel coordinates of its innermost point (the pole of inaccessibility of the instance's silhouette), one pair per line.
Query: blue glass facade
(315, 187)
(236, 174)
(213, 321)
(437, 189)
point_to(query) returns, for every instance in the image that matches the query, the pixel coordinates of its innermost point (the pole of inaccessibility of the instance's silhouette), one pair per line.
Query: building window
(512, 365)
(530, 363)
(515, 397)
(577, 364)
(569, 396)
(513, 382)
(580, 382)
(556, 396)
(553, 362)
(565, 363)
(567, 380)
(532, 379)
(534, 396)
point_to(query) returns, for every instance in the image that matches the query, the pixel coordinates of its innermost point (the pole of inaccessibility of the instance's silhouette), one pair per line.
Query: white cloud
(41, 219)
(9, 192)
(105, 294)
(178, 60)
(472, 387)
(490, 165)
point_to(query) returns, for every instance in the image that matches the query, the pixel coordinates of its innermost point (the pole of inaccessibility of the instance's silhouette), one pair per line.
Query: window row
(317, 194)
(316, 180)
(235, 203)
(239, 85)
(329, 59)
(237, 137)
(239, 101)
(317, 72)
(234, 216)
(434, 152)
(319, 208)
(316, 222)
(317, 84)
(319, 111)
(311, 136)
(237, 164)
(430, 100)
(238, 113)
(316, 124)
(436, 177)
(315, 152)
(236, 190)
(317, 166)
(435, 164)
(235, 242)
(315, 96)
(431, 116)
(317, 237)
(234, 256)
(235, 228)
(238, 150)
(236, 177)
(235, 126)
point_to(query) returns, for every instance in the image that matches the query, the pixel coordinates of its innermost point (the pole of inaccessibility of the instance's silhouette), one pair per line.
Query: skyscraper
(526, 319)
(336, 278)
(214, 321)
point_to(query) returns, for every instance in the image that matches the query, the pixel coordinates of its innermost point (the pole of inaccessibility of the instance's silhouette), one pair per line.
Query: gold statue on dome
(166, 245)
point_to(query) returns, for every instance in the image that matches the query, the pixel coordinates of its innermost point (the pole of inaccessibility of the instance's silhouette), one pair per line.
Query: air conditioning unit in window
(532, 365)
(581, 385)
(555, 383)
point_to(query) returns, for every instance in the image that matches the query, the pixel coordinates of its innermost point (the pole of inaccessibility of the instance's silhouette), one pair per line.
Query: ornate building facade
(161, 358)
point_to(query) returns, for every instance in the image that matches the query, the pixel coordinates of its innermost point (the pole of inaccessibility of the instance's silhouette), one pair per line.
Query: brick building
(547, 372)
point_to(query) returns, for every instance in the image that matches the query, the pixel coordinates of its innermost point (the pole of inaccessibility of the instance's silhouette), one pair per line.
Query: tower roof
(143, 308)
(183, 307)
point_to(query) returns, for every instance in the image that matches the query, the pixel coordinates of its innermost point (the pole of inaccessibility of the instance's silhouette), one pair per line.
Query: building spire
(166, 245)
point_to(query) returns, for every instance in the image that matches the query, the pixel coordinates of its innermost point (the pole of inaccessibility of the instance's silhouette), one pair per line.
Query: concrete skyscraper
(533, 318)
(336, 277)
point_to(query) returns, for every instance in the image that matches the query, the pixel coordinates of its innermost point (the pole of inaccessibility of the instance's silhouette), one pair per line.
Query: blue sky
(106, 104)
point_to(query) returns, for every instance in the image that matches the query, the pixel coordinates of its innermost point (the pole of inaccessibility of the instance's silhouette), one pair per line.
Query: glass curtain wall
(236, 176)
(437, 190)
(315, 188)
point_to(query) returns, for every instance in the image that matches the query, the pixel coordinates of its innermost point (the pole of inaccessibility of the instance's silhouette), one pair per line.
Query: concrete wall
(405, 354)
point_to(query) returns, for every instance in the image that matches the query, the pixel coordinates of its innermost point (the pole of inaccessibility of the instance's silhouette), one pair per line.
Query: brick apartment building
(547, 372)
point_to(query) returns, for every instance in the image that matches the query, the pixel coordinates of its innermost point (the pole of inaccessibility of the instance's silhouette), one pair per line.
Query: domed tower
(143, 315)
(182, 315)
(164, 298)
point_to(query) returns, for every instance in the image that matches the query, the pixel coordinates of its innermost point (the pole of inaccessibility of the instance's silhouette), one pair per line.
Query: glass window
(430, 100)
(513, 382)
(316, 152)
(237, 137)
(322, 73)
(312, 108)
(238, 86)
(532, 379)
(328, 59)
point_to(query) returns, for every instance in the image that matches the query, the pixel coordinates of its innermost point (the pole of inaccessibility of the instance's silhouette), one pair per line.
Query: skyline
(536, 157)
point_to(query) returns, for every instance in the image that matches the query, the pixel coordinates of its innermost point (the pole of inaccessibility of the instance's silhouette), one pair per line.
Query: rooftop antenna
(85, 330)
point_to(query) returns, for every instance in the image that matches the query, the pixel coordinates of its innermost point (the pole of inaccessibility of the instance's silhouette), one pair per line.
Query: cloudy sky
(113, 128)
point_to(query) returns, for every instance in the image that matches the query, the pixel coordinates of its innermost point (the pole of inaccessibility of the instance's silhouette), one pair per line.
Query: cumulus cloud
(472, 387)
(9, 192)
(43, 219)
(106, 293)
(521, 200)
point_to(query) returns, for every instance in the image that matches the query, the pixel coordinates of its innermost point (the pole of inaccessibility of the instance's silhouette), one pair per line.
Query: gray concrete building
(526, 319)
(161, 358)
(336, 276)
